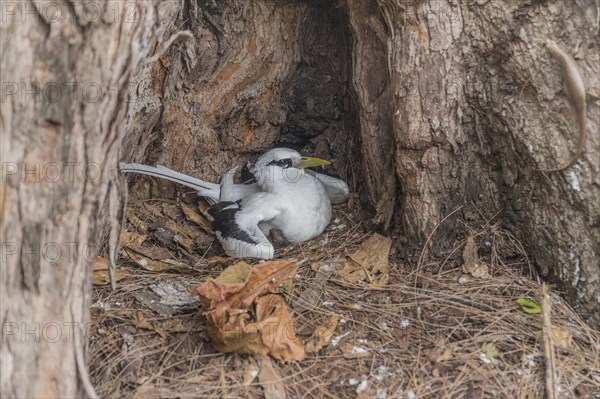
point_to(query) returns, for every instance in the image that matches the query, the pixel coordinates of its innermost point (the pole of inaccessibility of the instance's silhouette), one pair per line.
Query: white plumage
(284, 196)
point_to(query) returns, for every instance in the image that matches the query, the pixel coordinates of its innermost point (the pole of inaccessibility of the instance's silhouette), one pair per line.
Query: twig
(548, 345)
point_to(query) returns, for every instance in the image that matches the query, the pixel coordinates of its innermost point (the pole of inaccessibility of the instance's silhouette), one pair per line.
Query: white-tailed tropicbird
(283, 195)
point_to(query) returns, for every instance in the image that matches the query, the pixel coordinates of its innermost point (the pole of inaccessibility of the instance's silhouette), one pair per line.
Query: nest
(435, 329)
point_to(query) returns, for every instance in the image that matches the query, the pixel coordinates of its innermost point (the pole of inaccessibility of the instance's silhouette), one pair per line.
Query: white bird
(284, 195)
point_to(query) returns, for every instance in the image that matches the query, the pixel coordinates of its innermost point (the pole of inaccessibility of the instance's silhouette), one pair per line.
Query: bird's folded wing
(236, 226)
(204, 188)
(235, 192)
(337, 190)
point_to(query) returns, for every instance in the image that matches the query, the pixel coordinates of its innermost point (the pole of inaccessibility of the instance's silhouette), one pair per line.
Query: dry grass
(431, 332)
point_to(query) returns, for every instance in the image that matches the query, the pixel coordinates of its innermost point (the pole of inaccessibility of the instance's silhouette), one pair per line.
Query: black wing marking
(236, 226)
(225, 222)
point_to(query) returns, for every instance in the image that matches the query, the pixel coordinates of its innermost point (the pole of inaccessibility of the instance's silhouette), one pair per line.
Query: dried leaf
(529, 306)
(136, 221)
(441, 352)
(170, 210)
(154, 252)
(184, 233)
(472, 264)
(446, 355)
(373, 254)
(157, 265)
(197, 218)
(131, 239)
(274, 322)
(322, 335)
(102, 277)
(184, 241)
(237, 273)
(561, 337)
(250, 372)
(270, 379)
(351, 272)
(100, 273)
(369, 264)
(203, 207)
(218, 260)
(263, 278)
(100, 264)
(228, 309)
(141, 322)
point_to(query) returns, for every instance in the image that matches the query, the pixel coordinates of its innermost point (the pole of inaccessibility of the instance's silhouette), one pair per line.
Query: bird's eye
(284, 163)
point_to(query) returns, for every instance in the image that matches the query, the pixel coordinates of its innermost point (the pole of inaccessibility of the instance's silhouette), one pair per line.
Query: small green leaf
(529, 306)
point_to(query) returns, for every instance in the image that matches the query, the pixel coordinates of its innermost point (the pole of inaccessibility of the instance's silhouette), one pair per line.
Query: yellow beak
(306, 162)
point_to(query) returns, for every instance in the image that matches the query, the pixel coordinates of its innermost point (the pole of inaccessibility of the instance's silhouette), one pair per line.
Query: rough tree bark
(65, 70)
(480, 106)
(259, 72)
(426, 106)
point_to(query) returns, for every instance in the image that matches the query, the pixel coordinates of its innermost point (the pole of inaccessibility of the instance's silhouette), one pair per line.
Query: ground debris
(369, 264)
(270, 379)
(228, 304)
(430, 331)
(472, 264)
(322, 335)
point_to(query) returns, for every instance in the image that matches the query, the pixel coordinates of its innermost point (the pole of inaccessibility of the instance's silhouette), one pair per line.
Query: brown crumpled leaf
(140, 321)
(561, 337)
(236, 273)
(183, 234)
(100, 273)
(157, 265)
(441, 352)
(136, 221)
(131, 239)
(276, 327)
(232, 325)
(322, 335)
(250, 372)
(472, 264)
(193, 216)
(369, 264)
(270, 379)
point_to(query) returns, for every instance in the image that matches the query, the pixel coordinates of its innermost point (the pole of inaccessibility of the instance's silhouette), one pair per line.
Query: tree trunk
(480, 106)
(65, 72)
(425, 107)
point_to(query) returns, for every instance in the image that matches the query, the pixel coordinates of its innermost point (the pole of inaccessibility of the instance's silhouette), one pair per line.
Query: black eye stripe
(284, 163)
